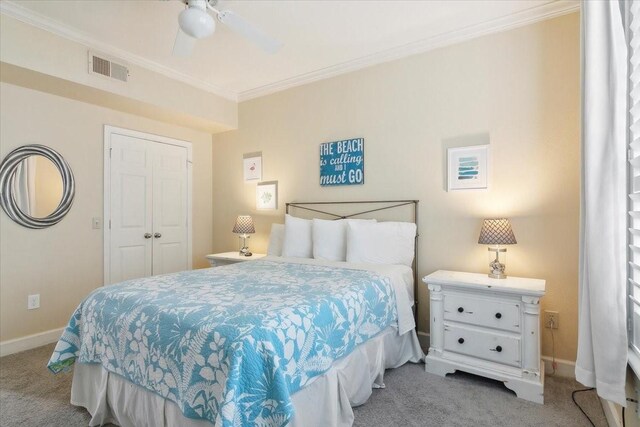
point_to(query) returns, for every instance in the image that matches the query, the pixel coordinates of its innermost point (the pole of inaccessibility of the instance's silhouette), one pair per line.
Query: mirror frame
(7, 198)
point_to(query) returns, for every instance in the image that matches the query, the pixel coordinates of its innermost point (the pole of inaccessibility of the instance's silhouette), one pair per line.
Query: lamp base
(244, 249)
(497, 268)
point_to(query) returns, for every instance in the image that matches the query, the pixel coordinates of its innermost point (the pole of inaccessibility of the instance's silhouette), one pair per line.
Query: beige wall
(518, 89)
(64, 263)
(37, 50)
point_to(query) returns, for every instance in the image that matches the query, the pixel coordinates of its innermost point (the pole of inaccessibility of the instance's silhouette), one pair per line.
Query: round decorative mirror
(36, 186)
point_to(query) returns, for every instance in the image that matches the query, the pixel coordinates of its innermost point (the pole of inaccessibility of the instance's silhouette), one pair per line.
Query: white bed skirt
(327, 401)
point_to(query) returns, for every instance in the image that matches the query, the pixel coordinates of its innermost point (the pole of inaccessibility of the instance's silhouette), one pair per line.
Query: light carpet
(32, 396)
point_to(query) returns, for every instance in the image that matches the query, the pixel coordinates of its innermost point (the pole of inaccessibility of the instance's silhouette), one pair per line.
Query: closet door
(131, 208)
(170, 212)
(149, 208)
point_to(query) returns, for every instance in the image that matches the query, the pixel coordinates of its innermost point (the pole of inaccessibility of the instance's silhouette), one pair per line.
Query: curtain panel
(602, 318)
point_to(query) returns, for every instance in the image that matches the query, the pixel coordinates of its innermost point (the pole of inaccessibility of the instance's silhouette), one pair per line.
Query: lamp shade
(497, 232)
(244, 225)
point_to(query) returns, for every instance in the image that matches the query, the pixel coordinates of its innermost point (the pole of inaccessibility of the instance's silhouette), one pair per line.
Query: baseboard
(611, 413)
(564, 368)
(30, 341)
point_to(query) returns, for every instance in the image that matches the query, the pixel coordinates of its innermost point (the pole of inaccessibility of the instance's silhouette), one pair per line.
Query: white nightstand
(488, 327)
(225, 258)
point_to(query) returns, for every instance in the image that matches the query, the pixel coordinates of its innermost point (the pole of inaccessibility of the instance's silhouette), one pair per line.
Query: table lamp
(495, 233)
(244, 227)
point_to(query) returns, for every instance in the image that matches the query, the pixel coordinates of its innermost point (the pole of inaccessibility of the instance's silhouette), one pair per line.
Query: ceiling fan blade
(239, 25)
(184, 44)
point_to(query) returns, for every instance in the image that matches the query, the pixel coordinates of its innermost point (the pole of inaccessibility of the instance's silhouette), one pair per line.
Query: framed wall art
(252, 167)
(267, 195)
(468, 168)
(342, 162)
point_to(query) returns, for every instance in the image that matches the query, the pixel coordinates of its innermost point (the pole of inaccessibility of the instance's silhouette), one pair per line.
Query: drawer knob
(461, 340)
(498, 349)
(460, 309)
(498, 315)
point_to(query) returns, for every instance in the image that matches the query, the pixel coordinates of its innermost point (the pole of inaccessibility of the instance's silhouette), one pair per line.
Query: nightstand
(226, 258)
(488, 327)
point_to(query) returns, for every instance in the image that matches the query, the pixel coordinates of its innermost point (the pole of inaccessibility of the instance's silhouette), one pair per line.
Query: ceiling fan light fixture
(196, 22)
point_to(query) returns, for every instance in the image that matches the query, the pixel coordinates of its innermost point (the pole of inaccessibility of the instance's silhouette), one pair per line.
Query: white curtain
(24, 185)
(602, 332)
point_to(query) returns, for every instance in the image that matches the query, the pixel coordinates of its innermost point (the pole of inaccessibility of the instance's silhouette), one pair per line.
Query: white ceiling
(321, 38)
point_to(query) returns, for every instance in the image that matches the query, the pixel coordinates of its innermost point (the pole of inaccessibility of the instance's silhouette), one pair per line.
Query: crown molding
(519, 19)
(37, 20)
(548, 10)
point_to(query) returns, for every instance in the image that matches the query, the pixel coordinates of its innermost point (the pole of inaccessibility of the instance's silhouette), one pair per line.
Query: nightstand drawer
(480, 344)
(494, 313)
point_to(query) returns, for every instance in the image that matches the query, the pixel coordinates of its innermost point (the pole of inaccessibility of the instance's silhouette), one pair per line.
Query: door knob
(147, 235)
(157, 235)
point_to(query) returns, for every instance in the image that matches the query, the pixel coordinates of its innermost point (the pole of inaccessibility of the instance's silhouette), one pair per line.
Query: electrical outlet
(551, 319)
(33, 301)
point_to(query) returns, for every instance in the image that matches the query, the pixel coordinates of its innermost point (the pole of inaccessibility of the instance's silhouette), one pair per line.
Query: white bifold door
(149, 208)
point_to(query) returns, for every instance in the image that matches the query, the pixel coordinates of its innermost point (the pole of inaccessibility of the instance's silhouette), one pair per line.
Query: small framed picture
(267, 195)
(468, 168)
(252, 165)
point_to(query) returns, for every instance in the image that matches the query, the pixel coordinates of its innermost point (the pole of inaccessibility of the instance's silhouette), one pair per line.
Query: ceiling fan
(197, 23)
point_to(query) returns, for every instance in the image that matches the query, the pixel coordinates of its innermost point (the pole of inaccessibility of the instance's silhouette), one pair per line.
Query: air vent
(119, 72)
(101, 66)
(107, 67)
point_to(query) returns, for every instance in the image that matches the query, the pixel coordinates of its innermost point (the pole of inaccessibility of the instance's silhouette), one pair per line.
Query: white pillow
(381, 242)
(276, 239)
(297, 237)
(330, 238)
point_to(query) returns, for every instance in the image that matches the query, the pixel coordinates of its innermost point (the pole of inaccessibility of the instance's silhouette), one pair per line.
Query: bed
(278, 341)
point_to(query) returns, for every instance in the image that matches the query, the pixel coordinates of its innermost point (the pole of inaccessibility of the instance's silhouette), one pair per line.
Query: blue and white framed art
(468, 168)
(342, 162)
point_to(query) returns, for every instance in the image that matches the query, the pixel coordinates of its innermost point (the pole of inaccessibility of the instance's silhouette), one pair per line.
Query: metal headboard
(392, 204)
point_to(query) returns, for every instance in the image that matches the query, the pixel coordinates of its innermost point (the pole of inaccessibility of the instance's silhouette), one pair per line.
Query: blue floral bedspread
(229, 344)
